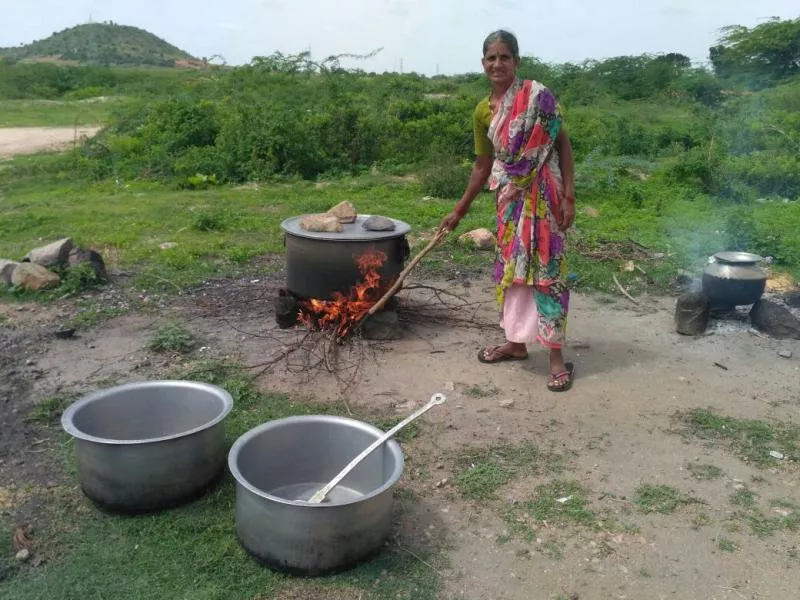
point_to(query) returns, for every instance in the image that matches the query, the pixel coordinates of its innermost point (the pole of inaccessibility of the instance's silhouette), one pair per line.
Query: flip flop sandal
(502, 358)
(569, 374)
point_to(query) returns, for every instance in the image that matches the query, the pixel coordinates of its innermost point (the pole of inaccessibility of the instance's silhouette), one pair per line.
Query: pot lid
(352, 232)
(737, 258)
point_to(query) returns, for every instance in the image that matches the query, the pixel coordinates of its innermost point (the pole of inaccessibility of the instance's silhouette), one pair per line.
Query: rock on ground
(775, 320)
(53, 254)
(692, 312)
(7, 269)
(81, 256)
(33, 277)
(384, 325)
(482, 239)
(321, 223)
(345, 212)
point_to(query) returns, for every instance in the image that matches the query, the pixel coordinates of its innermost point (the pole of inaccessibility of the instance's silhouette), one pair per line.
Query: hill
(102, 44)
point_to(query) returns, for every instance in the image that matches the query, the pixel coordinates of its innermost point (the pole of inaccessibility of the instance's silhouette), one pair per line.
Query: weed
(480, 472)
(726, 545)
(211, 221)
(560, 502)
(751, 440)
(701, 519)
(662, 499)
(643, 572)
(49, 410)
(744, 498)
(788, 518)
(172, 338)
(91, 315)
(477, 391)
(406, 434)
(704, 472)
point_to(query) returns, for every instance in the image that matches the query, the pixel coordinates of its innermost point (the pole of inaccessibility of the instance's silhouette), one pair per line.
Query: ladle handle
(435, 400)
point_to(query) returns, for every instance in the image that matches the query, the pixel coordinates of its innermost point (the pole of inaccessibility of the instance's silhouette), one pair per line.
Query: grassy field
(56, 113)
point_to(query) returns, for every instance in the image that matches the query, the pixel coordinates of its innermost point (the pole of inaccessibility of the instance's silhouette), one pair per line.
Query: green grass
(481, 472)
(560, 503)
(704, 472)
(662, 499)
(744, 497)
(479, 391)
(49, 409)
(173, 338)
(784, 515)
(192, 552)
(751, 440)
(726, 545)
(57, 113)
(219, 231)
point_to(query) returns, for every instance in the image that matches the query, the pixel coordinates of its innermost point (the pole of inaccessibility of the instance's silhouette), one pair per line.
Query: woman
(523, 150)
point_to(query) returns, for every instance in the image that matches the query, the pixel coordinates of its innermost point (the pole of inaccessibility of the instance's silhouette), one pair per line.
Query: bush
(446, 181)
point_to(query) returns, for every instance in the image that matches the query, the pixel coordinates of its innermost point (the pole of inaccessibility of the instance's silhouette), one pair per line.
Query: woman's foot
(508, 351)
(561, 373)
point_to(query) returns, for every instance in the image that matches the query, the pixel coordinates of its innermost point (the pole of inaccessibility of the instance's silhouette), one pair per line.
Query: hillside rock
(51, 255)
(6, 270)
(81, 256)
(33, 278)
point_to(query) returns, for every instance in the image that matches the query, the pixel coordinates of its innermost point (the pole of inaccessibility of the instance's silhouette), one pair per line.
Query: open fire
(344, 312)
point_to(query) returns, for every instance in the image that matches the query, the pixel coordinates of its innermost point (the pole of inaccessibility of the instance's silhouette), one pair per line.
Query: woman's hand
(567, 216)
(450, 222)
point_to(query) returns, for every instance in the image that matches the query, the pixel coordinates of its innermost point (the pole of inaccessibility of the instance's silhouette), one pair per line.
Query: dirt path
(615, 432)
(29, 140)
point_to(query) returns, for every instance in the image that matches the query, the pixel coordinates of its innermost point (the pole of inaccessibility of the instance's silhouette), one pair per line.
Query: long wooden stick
(440, 235)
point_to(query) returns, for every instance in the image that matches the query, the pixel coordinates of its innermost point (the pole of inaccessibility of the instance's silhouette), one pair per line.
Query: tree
(760, 56)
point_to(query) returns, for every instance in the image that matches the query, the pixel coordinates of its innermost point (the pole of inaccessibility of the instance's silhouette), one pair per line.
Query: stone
(287, 310)
(785, 353)
(382, 326)
(23, 555)
(378, 223)
(692, 312)
(33, 278)
(506, 404)
(51, 255)
(82, 256)
(321, 223)
(792, 299)
(345, 212)
(6, 269)
(773, 319)
(482, 239)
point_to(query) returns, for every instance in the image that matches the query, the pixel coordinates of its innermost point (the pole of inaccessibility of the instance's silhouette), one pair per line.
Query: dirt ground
(29, 140)
(615, 430)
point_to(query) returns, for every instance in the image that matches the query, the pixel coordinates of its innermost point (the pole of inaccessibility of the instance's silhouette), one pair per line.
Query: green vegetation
(744, 497)
(751, 440)
(100, 44)
(48, 410)
(662, 499)
(192, 551)
(664, 158)
(726, 545)
(481, 472)
(705, 472)
(173, 338)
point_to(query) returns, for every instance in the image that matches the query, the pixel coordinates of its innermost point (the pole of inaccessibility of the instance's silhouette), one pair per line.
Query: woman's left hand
(567, 216)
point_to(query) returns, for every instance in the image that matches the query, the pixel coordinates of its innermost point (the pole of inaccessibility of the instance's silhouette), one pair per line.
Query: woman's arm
(567, 166)
(481, 170)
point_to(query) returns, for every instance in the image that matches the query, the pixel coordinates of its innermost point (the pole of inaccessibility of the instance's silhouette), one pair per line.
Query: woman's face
(499, 64)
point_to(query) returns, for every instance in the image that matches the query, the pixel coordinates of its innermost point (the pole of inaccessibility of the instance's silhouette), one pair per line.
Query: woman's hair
(506, 37)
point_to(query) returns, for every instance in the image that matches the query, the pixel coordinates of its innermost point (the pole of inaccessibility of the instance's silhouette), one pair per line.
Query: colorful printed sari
(531, 250)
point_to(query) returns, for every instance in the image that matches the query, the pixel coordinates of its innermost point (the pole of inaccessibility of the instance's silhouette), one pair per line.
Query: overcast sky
(425, 35)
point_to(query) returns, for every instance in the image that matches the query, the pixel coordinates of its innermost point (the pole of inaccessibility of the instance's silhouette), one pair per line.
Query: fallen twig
(623, 290)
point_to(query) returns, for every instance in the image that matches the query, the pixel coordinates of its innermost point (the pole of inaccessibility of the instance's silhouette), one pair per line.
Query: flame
(344, 311)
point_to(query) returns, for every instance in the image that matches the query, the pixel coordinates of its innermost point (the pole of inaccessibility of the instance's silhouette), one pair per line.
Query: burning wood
(344, 312)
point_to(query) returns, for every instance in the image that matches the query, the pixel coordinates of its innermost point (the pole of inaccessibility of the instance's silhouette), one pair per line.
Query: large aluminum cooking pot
(321, 264)
(146, 446)
(279, 465)
(733, 279)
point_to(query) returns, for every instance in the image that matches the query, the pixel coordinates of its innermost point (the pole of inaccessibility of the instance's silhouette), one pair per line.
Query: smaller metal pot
(280, 464)
(143, 447)
(733, 279)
